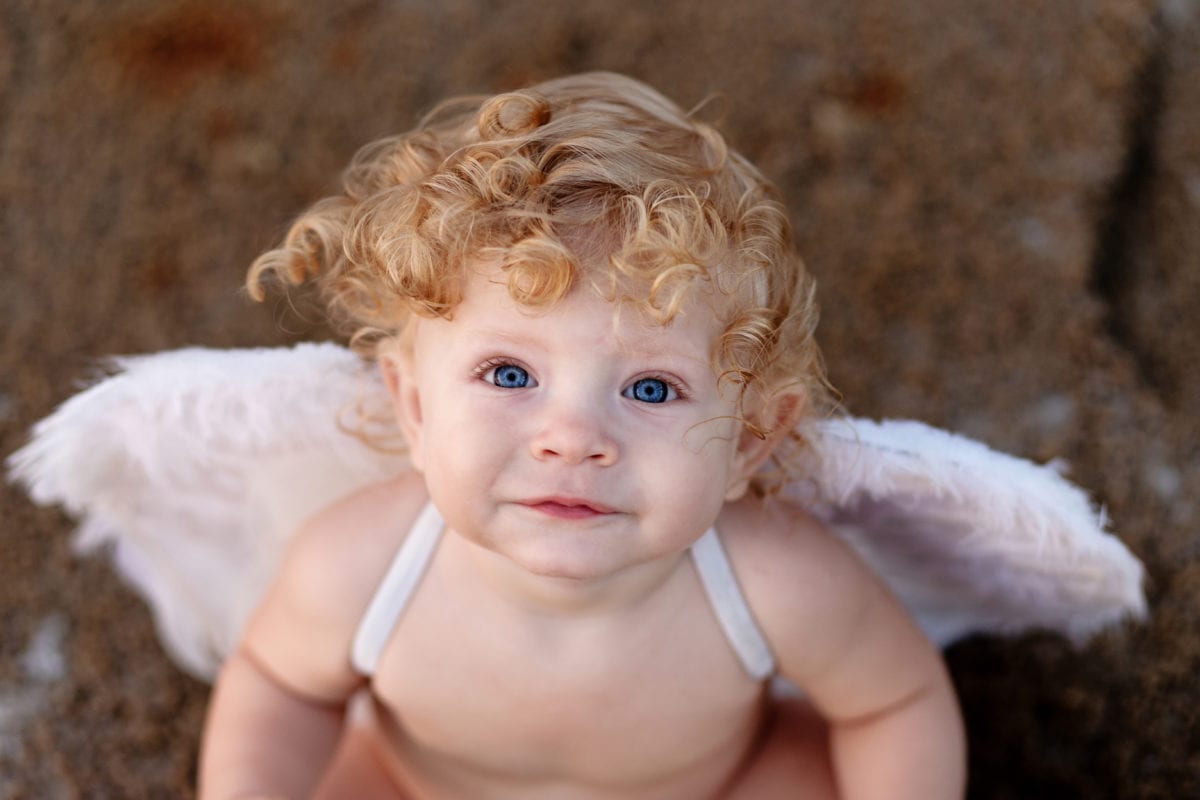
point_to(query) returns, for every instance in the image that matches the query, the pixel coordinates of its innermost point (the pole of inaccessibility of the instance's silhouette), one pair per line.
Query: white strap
(394, 592)
(721, 586)
(412, 559)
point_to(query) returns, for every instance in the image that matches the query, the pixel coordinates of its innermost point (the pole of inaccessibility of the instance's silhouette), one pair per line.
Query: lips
(568, 507)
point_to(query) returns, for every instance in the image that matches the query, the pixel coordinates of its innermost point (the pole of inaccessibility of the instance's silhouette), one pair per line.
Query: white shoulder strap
(394, 592)
(733, 613)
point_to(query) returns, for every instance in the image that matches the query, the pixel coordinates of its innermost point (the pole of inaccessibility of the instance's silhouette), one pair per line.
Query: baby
(598, 343)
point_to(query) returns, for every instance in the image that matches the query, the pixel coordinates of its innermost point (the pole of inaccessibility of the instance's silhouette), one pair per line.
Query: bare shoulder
(784, 554)
(345, 545)
(331, 570)
(807, 588)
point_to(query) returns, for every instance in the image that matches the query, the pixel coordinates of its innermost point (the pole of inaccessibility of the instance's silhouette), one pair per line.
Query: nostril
(575, 440)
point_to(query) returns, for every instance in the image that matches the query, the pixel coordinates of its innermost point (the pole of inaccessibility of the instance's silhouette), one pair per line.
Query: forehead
(584, 314)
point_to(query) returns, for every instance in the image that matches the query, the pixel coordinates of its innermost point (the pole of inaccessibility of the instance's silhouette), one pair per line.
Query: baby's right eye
(508, 376)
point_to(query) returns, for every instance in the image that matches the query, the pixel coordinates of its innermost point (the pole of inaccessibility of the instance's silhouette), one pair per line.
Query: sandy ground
(1001, 203)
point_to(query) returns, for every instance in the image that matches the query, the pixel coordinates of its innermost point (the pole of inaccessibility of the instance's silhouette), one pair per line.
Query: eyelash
(680, 392)
(492, 363)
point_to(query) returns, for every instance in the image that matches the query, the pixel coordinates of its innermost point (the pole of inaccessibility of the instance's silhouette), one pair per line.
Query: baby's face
(571, 441)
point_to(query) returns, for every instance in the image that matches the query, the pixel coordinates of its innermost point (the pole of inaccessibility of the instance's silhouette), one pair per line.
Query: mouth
(568, 507)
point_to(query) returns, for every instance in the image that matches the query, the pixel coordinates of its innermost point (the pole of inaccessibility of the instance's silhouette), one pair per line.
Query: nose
(574, 436)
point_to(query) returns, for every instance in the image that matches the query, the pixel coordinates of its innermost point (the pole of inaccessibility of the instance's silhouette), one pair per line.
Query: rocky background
(1001, 202)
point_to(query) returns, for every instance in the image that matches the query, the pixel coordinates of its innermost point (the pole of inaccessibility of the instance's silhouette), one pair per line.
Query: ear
(763, 430)
(397, 368)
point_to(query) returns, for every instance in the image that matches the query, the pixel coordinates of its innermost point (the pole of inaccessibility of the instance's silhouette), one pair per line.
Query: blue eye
(510, 376)
(650, 390)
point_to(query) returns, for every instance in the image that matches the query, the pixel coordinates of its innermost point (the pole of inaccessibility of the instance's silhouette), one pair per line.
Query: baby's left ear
(762, 429)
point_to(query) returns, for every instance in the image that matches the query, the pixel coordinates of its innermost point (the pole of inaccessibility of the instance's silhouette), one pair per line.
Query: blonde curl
(592, 176)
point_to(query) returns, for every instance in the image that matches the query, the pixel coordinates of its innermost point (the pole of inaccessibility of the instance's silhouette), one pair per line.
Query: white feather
(194, 466)
(971, 540)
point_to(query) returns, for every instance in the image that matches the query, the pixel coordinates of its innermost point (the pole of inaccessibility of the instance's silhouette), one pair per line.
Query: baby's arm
(895, 730)
(277, 708)
(263, 739)
(895, 727)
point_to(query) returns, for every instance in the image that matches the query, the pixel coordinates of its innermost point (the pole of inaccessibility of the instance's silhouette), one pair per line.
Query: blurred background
(1001, 203)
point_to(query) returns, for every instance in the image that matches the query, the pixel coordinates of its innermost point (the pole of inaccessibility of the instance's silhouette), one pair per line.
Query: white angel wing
(970, 539)
(194, 466)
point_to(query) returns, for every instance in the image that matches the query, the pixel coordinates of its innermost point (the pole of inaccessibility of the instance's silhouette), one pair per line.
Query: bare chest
(604, 708)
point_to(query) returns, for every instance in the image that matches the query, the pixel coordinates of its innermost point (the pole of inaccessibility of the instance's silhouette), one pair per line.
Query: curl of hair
(592, 176)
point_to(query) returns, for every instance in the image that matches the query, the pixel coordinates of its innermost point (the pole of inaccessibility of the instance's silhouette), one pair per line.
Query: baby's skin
(560, 644)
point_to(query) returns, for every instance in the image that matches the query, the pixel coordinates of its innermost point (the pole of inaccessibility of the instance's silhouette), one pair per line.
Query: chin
(563, 569)
(568, 566)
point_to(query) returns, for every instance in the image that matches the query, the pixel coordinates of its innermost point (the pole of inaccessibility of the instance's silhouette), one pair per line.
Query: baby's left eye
(650, 390)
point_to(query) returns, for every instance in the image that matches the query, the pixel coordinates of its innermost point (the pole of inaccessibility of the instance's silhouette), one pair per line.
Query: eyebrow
(486, 335)
(634, 350)
(630, 347)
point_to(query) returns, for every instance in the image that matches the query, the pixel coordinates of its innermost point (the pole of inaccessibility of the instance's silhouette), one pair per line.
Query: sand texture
(1001, 202)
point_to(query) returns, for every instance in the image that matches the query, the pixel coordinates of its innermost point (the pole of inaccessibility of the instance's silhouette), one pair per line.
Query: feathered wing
(970, 539)
(194, 466)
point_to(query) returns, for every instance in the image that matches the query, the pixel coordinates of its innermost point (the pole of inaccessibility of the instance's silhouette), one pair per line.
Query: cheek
(465, 445)
(711, 444)
(693, 475)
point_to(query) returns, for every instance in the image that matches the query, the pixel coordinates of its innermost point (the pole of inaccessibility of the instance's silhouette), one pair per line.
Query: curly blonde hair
(594, 174)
